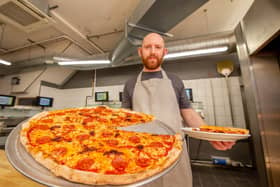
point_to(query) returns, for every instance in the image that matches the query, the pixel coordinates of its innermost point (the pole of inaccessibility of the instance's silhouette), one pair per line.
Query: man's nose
(153, 50)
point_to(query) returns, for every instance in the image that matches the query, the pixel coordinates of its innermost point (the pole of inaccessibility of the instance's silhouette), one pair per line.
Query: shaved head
(152, 52)
(153, 36)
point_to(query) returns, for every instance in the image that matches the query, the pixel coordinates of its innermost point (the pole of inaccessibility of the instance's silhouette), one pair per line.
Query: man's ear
(140, 51)
(165, 51)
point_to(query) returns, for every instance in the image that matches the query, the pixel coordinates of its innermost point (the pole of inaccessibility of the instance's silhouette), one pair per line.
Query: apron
(157, 97)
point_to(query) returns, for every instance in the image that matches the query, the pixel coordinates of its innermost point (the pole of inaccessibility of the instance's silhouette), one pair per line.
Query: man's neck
(151, 70)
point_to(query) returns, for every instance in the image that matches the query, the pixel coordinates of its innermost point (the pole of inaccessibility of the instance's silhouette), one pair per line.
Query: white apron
(157, 97)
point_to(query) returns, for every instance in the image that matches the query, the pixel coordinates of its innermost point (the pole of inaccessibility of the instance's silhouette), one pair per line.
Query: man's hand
(222, 146)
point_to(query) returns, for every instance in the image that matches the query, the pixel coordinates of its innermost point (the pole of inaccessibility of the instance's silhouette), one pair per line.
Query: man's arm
(193, 119)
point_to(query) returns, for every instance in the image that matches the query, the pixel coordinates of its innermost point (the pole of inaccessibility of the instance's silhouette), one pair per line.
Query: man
(162, 94)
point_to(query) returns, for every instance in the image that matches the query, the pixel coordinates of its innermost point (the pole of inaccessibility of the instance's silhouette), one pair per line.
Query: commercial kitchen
(58, 54)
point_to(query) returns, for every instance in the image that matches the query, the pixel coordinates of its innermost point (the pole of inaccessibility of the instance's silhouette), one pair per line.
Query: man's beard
(154, 64)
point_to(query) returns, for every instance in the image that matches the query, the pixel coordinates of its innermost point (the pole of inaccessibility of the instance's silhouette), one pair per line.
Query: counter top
(11, 177)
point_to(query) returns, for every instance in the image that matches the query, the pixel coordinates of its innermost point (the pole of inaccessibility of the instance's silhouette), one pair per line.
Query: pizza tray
(26, 165)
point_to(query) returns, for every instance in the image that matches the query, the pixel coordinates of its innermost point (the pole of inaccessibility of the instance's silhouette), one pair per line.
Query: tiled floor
(205, 176)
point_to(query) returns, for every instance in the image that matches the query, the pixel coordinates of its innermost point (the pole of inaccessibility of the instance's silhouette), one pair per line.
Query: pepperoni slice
(100, 109)
(165, 137)
(88, 120)
(82, 137)
(115, 120)
(67, 118)
(60, 151)
(137, 116)
(43, 140)
(46, 120)
(112, 142)
(156, 144)
(134, 139)
(102, 120)
(68, 128)
(92, 133)
(55, 127)
(168, 143)
(84, 164)
(86, 114)
(119, 163)
(89, 127)
(107, 134)
(143, 162)
(41, 127)
(67, 138)
(57, 139)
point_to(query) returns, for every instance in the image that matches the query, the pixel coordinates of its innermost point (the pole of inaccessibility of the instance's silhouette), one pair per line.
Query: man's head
(152, 52)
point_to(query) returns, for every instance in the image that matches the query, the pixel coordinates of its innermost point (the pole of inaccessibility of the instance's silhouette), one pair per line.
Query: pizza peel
(153, 127)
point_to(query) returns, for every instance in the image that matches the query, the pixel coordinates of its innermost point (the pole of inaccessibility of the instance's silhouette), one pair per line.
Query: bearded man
(162, 94)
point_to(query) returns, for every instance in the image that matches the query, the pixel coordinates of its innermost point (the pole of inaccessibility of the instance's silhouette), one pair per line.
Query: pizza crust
(97, 178)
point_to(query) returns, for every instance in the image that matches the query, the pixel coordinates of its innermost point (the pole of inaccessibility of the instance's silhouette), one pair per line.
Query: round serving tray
(25, 164)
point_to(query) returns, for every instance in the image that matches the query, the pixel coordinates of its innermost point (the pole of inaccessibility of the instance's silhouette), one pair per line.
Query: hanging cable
(206, 21)
(2, 33)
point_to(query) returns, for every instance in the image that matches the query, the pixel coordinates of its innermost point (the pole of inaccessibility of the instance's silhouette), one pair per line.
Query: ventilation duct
(26, 15)
(203, 42)
(156, 15)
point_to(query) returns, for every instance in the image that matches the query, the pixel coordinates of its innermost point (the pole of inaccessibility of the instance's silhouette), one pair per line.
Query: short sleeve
(126, 98)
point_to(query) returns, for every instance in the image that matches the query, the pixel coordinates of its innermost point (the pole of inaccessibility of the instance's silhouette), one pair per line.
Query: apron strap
(139, 77)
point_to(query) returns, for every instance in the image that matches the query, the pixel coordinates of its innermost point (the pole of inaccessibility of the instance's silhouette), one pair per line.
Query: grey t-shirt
(177, 84)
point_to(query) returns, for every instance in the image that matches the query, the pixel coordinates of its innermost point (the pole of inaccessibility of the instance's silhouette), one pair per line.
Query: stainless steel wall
(251, 104)
(267, 76)
(261, 78)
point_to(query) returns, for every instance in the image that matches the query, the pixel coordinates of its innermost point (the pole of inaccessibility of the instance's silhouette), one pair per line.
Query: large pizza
(85, 145)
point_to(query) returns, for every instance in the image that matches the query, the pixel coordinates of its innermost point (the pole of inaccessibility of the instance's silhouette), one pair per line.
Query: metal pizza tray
(25, 164)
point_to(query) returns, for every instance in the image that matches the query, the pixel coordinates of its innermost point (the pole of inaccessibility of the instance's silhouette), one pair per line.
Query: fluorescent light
(196, 52)
(85, 62)
(62, 58)
(5, 62)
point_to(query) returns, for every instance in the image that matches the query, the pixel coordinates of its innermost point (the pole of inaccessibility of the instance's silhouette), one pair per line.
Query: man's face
(152, 51)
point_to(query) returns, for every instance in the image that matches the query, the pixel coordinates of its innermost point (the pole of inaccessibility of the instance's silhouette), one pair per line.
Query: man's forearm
(192, 118)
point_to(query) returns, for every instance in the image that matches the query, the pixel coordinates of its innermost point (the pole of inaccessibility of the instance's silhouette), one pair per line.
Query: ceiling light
(5, 62)
(62, 58)
(196, 52)
(85, 62)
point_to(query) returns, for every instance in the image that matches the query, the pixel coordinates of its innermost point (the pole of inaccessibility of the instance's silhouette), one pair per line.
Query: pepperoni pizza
(84, 145)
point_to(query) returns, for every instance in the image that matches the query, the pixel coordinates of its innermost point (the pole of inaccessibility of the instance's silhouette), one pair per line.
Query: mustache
(152, 56)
